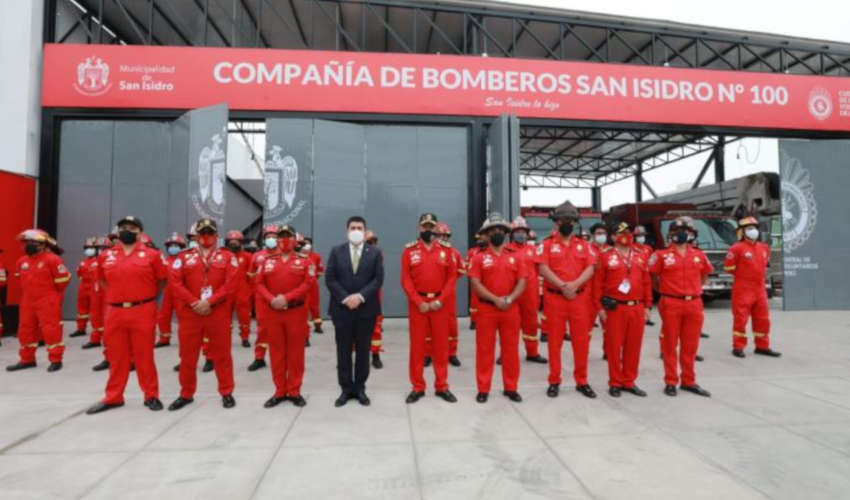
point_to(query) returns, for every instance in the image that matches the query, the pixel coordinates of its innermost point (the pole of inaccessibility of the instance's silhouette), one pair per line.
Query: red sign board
(143, 77)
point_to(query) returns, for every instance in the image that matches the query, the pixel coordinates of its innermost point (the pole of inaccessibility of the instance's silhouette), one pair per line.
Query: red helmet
(146, 240)
(519, 223)
(271, 229)
(176, 239)
(234, 235)
(442, 228)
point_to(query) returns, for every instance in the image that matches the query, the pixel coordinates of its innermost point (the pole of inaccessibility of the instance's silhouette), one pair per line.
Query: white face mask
(640, 239)
(270, 243)
(307, 247)
(193, 244)
(752, 233)
(90, 252)
(601, 238)
(355, 237)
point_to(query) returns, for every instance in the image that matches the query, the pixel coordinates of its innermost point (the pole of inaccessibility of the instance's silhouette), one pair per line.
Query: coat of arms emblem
(280, 182)
(92, 76)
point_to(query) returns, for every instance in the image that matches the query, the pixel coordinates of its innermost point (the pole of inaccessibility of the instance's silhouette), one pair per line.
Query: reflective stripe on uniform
(376, 343)
(317, 321)
(51, 346)
(34, 344)
(261, 344)
(529, 337)
(206, 339)
(62, 280)
(757, 334)
(82, 316)
(739, 334)
(728, 268)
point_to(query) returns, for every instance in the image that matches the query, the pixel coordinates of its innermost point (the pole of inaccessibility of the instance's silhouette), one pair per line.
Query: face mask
(193, 244)
(208, 240)
(427, 235)
(307, 247)
(625, 240)
(680, 237)
(286, 244)
(234, 247)
(31, 248)
(496, 239)
(641, 239)
(356, 237)
(173, 250)
(691, 237)
(90, 252)
(127, 237)
(270, 243)
(519, 238)
(752, 233)
(565, 229)
(600, 239)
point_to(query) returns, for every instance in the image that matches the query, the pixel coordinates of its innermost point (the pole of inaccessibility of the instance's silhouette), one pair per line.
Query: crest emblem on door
(212, 176)
(281, 182)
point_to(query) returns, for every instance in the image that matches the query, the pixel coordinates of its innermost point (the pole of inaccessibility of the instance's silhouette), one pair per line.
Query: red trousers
(262, 343)
(451, 305)
(529, 303)
(559, 311)
(313, 304)
(214, 331)
(163, 316)
(84, 305)
(130, 337)
(507, 323)
(98, 317)
(681, 324)
(623, 339)
(433, 325)
(41, 318)
(242, 305)
(378, 335)
(746, 305)
(286, 333)
(473, 307)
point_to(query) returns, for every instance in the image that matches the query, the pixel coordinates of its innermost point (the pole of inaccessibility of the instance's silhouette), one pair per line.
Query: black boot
(738, 353)
(317, 328)
(54, 367)
(246, 343)
(544, 337)
(768, 352)
(20, 366)
(208, 366)
(553, 390)
(454, 361)
(376, 361)
(103, 365)
(179, 403)
(256, 365)
(78, 333)
(427, 360)
(699, 391)
(536, 359)
(91, 345)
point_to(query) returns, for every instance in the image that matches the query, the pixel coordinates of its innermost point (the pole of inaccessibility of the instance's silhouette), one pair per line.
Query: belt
(625, 302)
(681, 297)
(558, 291)
(128, 305)
(429, 295)
(294, 303)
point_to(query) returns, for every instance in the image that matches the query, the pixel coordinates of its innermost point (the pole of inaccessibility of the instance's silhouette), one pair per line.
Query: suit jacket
(342, 281)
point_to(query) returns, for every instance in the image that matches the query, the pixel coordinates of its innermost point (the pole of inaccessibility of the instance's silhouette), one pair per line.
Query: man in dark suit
(353, 275)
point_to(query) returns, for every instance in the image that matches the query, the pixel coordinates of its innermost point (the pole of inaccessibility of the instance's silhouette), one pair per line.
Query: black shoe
(446, 396)
(317, 328)
(376, 361)
(414, 396)
(179, 403)
(670, 390)
(567, 337)
(153, 404)
(307, 342)
(481, 397)
(739, 353)
(342, 399)
(699, 358)
(768, 352)
(553, 391)
(78, 333)
(20, 366)
(649, 322)
(208, 366)
(41, 343)
(614, 391)
(227, 401)
(699, 391)
(544, 337)
(54, 367)
(102, 407)
(704, 335)
(586, 390)
(536, 359)
(256, 365)
(513, 396)
(427, 360)
(246, 343)
(363, 399)
(177, 367)
(274, 401)
(162, 343)
(91, 345)
(637, 391)
(298, 400)
(454, 361)
(604, 357)
(472, 325)
(103, 365)
(499, 361)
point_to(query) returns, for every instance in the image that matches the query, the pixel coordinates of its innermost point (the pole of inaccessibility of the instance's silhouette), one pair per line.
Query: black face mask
(31, 248)
(566, 228)
(234, 247)
(127, 237)
(496, 239)
(519, 238)
(680, 237)
(427, 235)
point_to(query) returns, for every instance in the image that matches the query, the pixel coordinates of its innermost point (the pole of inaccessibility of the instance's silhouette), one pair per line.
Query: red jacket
(680, 275)
(748, 261)
(194, 277)
(42, 274)
(430, 271)
(290, 276)
(612, 271)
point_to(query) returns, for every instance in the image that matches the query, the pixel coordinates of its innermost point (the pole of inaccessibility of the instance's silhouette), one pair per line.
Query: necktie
(356, 260)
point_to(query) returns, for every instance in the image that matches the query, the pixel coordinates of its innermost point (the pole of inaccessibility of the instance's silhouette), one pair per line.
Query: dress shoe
(704, 335)
(246, 343)
(162, 343)
(298, 400)
(54, 367)
(768, 352)
(699, 358)
(274, 401)
(153, 404)
(614, 391)
(536, 359)
(553, 391)
(208, 366)
(376, 361)
(499, 361)
(446, 396)
(427, 360)
(637, 391)
(699, 391)
(586, 390)
(363, 399)
(454, 361)
(317, 328)
(103, 365)
(256, 365)
(414, 396)
(670, 390)
(91, 345)
(481, 397)
(101, 407)
(649, 322)
(20, 366)
(544, 337)
(513, 396)
(227, 401)
(342, 399)
(739, 353)
(179, 403)
(78, 333)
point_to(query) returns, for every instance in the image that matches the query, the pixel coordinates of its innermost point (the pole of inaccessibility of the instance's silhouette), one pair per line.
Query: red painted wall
(17, 206)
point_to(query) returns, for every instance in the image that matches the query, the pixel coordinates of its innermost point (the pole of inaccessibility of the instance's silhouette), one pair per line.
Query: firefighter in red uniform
(313, 304)
(641, 246)
(681, 270)
(284, 281)
(85, 273)
(529, 301)
(270, 245)
(242, 298)
(43, 280)
(378, 332)
(498, 276)
(748, 261)
(428, 275)
(98, 308)
(173, 246)
(204, 281)
(131, 274)
(598, 245)
(566, 264)
(444, 232)
(624, 291)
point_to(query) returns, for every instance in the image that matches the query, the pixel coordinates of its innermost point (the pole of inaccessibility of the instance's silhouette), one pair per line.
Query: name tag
(625, 286)
(206, 292)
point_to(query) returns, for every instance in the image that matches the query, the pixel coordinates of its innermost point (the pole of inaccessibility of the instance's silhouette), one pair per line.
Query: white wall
(20, 86)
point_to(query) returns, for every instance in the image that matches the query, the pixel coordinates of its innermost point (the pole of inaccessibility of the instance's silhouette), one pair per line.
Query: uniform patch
(415, 258)
(142, 254)
(556, 248)
(40, 265)
(234, 262)
(177, 264)
(579, 247)
(539, 250)
(730, 255)
(696, 260)
(511, 260)
(62, 269)
(748, 255)
(25, 266)
(669, 260)
(487, 261)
